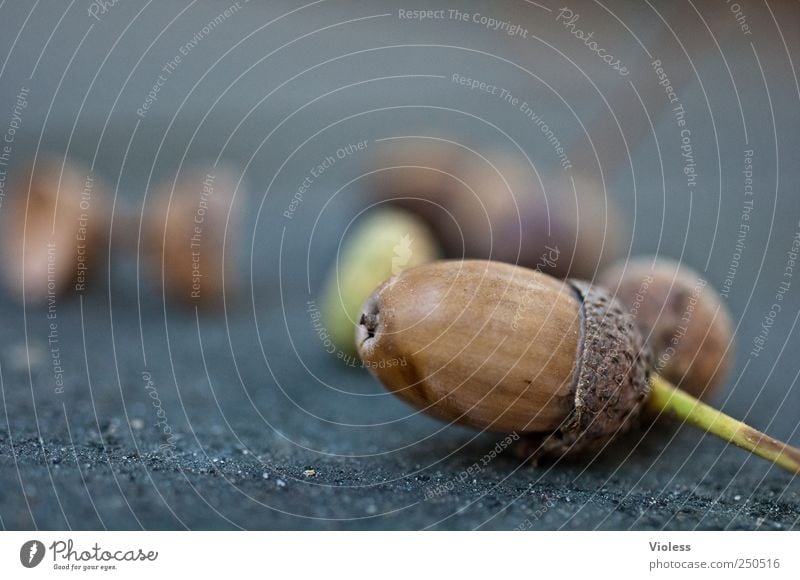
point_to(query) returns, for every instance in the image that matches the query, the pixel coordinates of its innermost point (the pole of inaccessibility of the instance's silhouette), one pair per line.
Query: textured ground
(78, 461)
(269, 430)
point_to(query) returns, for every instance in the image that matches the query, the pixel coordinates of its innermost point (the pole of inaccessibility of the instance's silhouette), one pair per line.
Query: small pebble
(309, 472)
(281, 483)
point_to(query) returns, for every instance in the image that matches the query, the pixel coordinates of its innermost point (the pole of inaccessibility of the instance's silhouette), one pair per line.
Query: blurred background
(125, 408)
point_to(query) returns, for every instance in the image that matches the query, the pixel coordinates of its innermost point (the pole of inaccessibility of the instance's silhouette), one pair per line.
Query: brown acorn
(508, 212)
(385, 242)
(56, 224)
(498, 213)
(504, 348)
(501, 208)
(415, 174)
(190, 233)
(507, 349)
(680, 316)
(498, 207)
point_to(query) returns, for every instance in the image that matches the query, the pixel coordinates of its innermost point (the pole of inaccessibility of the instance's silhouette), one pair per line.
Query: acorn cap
(613, 375)
(505, 348)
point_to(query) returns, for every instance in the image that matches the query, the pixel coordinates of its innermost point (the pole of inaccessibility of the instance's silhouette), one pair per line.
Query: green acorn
(385, 243)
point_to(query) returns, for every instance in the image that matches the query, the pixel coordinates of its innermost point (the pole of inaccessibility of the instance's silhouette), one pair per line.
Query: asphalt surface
(287, 453)
(171, 418)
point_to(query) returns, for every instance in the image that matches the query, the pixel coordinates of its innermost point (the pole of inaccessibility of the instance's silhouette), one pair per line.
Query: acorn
(415, 174)
(505, 348)
(56, 224)
(681, 317)
(506, 211)
(498, 207)
(509, 349)
(384, 243)
(190, 233)
(592, 229)
(495, 214)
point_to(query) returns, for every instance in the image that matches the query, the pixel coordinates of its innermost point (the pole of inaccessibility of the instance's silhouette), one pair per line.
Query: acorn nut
(680, 316)
(57, 223)
(504, 348)
(508, 349)
(386, 242)
(417, 175)
(190, 234)
(514, 215)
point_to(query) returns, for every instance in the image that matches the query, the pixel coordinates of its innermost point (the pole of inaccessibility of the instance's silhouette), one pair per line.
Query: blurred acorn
(680, 316)
(191, 235)
(418, 175)
(511, 214)
(493, 215)
(597, 229)
(386, 242)
(55, 226)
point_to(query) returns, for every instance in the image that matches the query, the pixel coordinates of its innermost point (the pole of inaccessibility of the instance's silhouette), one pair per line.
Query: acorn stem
(665, 398)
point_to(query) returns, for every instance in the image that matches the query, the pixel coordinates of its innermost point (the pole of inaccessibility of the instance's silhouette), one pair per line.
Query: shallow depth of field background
(255, 401)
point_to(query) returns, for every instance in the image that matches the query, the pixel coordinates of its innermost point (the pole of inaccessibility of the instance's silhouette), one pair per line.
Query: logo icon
(402, 254)
(31, 553)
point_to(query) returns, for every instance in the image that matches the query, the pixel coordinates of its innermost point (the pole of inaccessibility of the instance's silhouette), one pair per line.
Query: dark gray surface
(251, 393)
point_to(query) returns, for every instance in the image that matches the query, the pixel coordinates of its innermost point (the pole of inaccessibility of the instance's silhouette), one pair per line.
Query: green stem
(664, 398)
